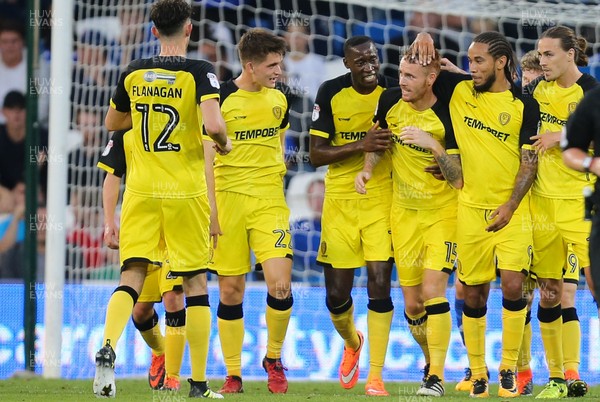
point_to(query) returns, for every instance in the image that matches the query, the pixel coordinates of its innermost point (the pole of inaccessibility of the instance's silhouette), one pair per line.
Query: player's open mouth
(370, 77)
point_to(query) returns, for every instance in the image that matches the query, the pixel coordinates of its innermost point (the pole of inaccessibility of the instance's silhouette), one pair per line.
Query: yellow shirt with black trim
(163, 95)
(490, 129)
(113, 159)
(413, 187)
(255, 123)
(554, 179)
(344, 116)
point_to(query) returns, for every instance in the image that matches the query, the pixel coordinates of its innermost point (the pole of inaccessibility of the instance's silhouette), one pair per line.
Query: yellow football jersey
(163, 95)
(344, 116)
(491, 128)
(413, 187)
(554, 179)
(255, 123)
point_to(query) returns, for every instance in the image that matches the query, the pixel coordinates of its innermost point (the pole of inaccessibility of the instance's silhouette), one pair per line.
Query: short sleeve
(387, 100)
(120, 100)
(112, 159)
(530, 125)
(322, 115)
(444, 85)
(207, 83)
(289, 96)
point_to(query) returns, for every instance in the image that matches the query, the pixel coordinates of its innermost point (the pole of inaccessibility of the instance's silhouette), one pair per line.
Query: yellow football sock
(417, 325)
(379, 321)
(344, 324)
(439, 328)
(551, 329)
(571, 341)
(231, 333)
(150, 331)
(155, 340)
(277, 317)
(474, 324)
(525, 350)
(118, 312)
(174, 342)
(513, 325)
(197, 330)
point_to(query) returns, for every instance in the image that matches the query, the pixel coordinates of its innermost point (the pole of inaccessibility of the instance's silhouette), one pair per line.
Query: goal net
(111, 33)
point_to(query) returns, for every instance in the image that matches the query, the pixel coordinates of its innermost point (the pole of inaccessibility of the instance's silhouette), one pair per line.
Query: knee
(378, 287)
(414, 307)
(231, 294)
(142, 312)
(338, 294)
(568, 296)
(550, 293)
(475, 300)
(173, 301)
(513, 289)
(280, 289)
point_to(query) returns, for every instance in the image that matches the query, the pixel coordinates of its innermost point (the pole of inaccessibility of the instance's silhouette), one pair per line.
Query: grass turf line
(20, 390)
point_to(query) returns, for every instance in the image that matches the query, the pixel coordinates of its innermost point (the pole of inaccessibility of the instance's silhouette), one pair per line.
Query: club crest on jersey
(324, 249)
(504, 118)
(571, 107)
(315, 114)
(108, 147)
(277, 112)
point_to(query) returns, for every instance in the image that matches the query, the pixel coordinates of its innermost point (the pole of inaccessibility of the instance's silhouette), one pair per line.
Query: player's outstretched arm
(214, 124)
(544, 142)
(209, 160)
(575, 158)
(323, 153)
(110, 198)
(523, 182)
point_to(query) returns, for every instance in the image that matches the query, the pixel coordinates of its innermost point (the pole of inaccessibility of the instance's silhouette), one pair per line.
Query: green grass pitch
(21, 390)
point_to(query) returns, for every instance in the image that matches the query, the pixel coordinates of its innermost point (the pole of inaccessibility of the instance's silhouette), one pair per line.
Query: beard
(487, 84)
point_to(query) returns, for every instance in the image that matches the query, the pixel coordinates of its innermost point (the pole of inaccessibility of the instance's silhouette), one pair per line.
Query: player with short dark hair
(249, 181)
(356, 228)
(166, 100)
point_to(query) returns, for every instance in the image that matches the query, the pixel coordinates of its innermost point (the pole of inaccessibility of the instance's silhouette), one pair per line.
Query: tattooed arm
(451, 168)
(523, 182)
(449, 164)
(371, 160)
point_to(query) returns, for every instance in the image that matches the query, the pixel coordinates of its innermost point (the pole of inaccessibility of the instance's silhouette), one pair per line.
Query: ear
(346, 63)
(431, 78)
(501, 62)
(249, 67)
(571, 54)
(188, 29)
(155, 32)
